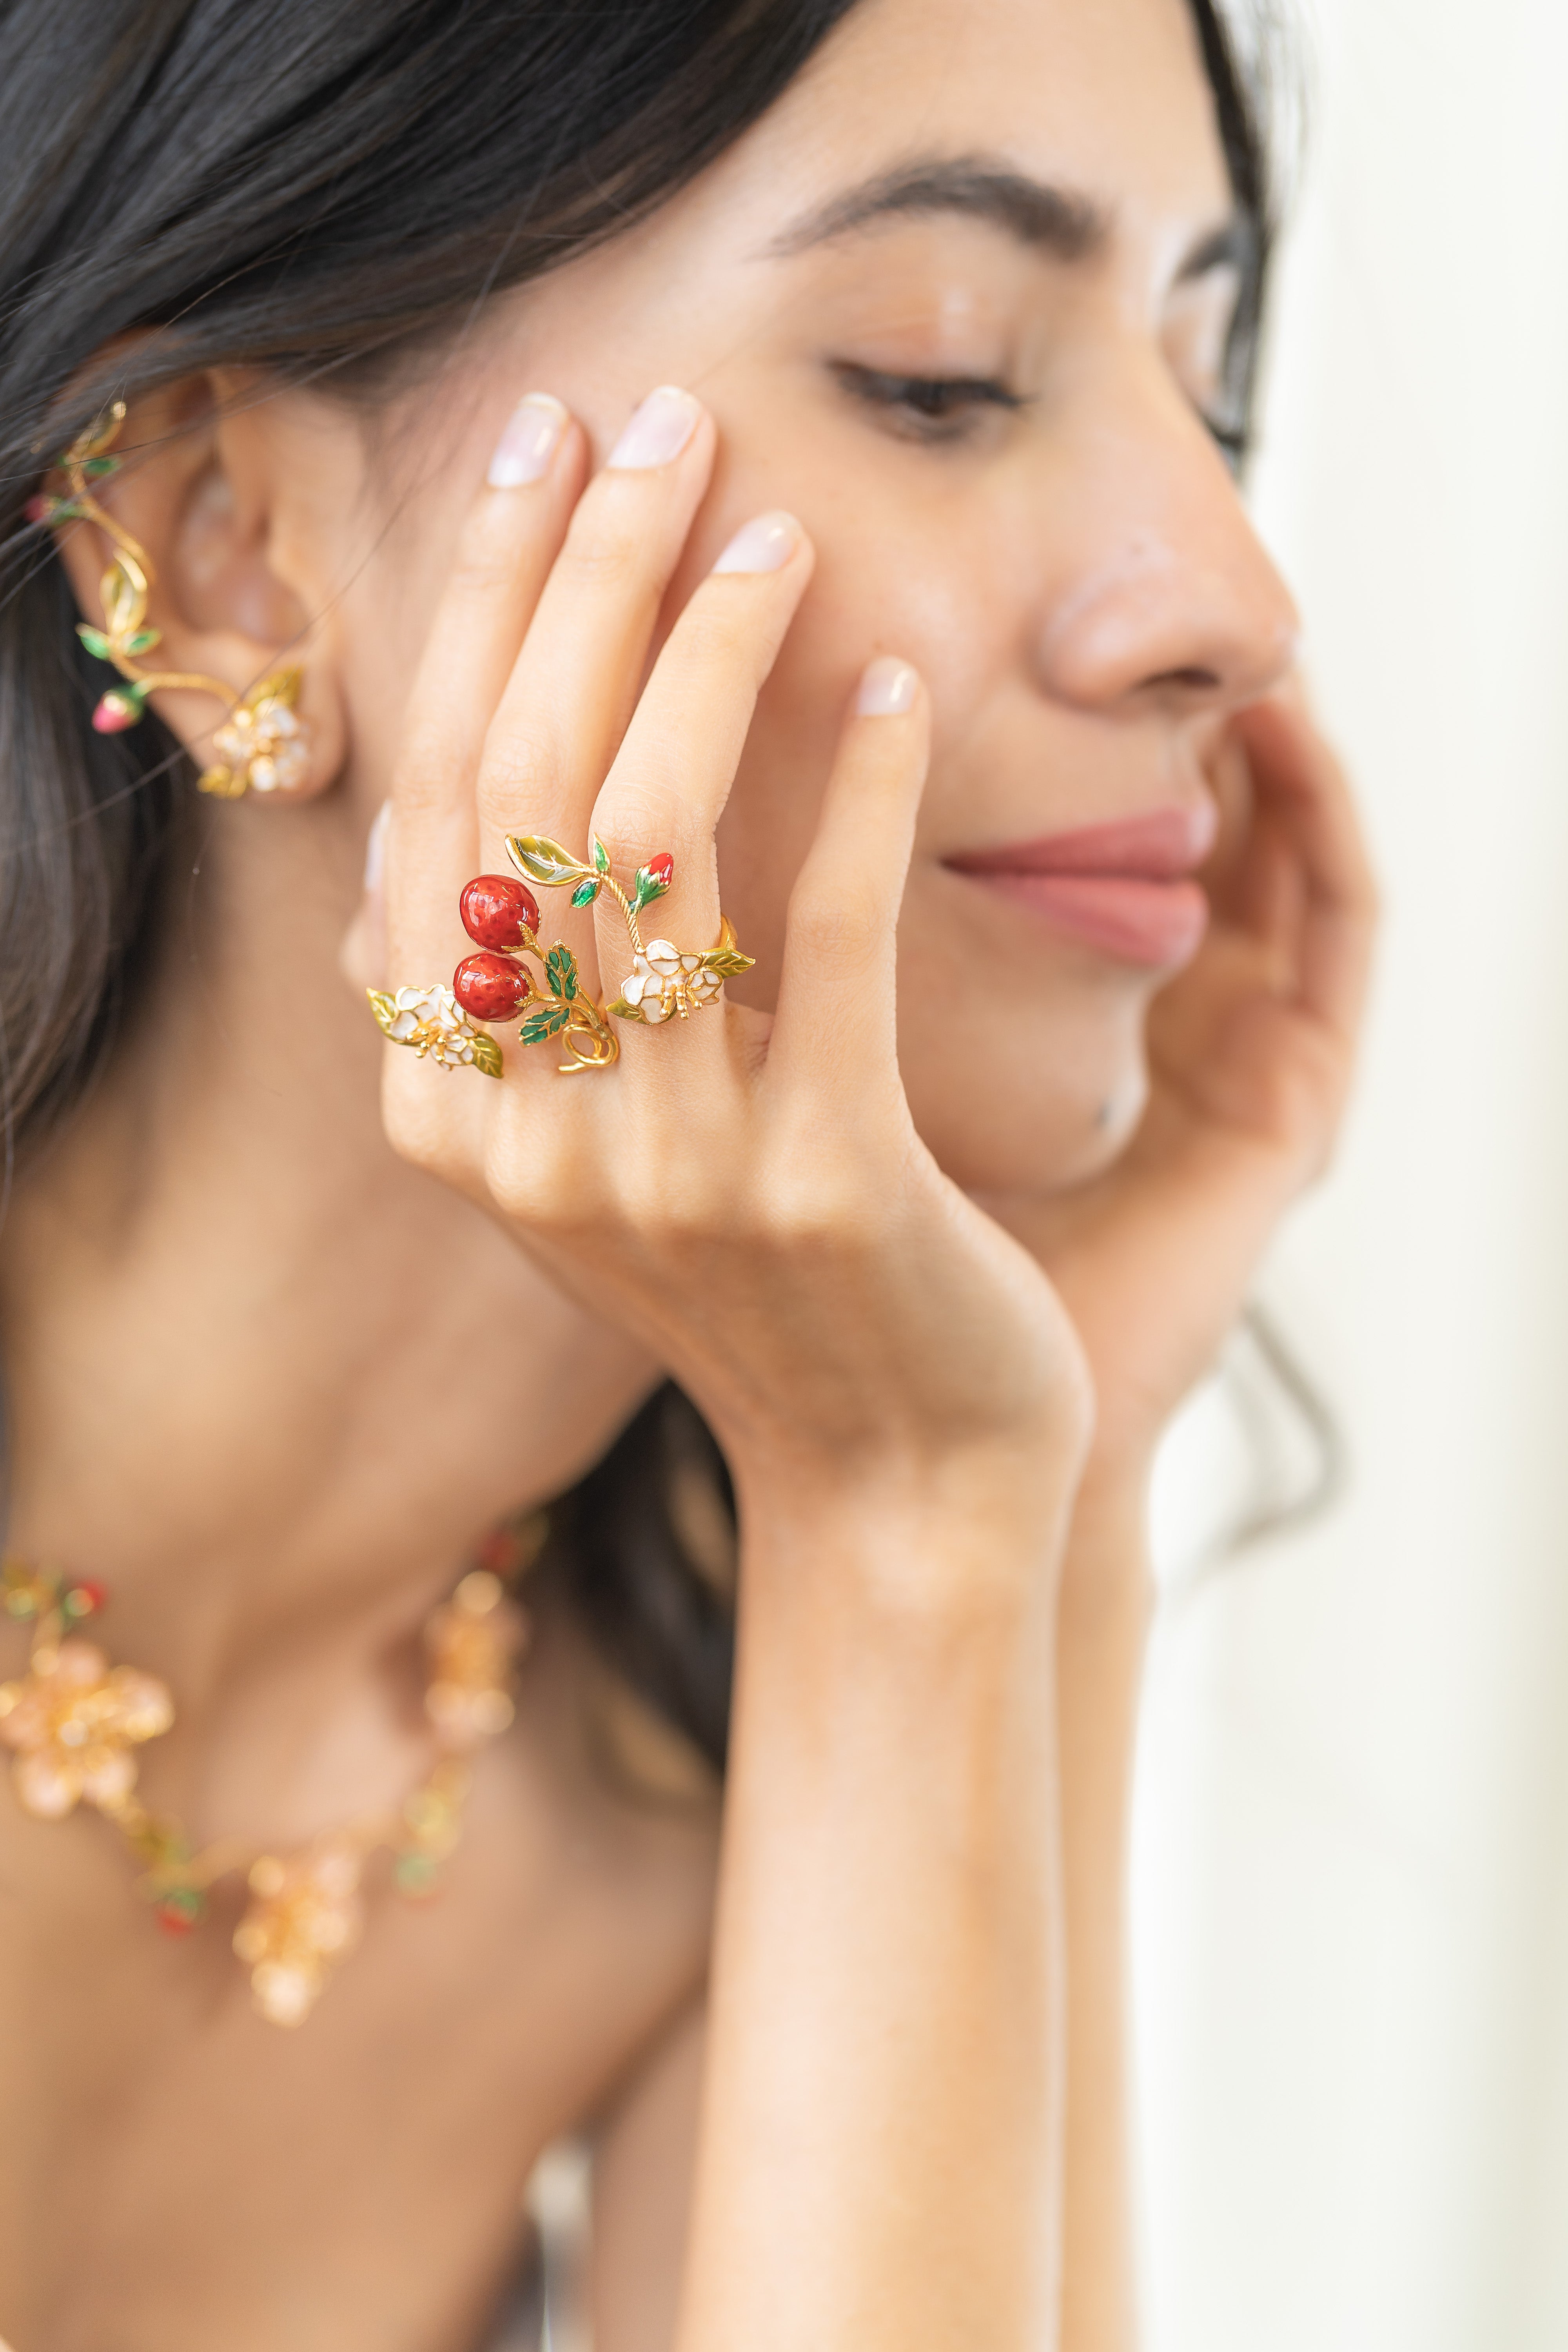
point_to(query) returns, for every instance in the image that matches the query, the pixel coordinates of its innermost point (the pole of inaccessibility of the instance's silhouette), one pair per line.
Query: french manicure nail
(886, 690)
(532, 438)
(658, 431)
(375, 850)
(764, 544)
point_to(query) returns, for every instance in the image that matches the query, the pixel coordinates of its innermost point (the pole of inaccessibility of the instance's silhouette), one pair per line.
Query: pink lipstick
(1125, 889)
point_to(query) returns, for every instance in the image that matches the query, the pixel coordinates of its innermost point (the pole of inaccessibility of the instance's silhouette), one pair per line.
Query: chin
(1010, 1104)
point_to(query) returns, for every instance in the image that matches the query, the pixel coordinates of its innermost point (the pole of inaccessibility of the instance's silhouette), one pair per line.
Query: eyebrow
(1059, 221)
(1054, 220)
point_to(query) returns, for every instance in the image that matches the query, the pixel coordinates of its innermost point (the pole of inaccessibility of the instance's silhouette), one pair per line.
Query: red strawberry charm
(496, 911)
(662, 869)
(489, 987)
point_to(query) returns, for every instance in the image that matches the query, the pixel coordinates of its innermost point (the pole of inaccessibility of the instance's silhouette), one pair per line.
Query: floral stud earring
(263, 745)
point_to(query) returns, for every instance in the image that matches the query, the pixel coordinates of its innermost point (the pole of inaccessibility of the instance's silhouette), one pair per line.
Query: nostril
(1194, 678)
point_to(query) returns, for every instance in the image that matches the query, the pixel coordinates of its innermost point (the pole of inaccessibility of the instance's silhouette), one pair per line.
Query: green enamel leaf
(94, 640)
(561, 967)
(624, 1012)
(548, 1022)
(144, 640)
(729, 962)
(584, 894)
(487, 1054)
(601, 856)
(544, 862)
(95, 468)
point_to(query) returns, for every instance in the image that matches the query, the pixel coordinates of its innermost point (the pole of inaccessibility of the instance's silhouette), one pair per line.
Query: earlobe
(177, 653)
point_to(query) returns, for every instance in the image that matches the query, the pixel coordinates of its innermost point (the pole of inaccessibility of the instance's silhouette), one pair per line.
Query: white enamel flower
(663, 981)
(433, 1021)
(263, 744)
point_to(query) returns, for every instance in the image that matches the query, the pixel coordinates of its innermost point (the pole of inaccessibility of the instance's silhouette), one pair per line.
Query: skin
(936, 1290)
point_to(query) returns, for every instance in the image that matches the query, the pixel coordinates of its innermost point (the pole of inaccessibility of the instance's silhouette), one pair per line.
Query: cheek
(891, 578)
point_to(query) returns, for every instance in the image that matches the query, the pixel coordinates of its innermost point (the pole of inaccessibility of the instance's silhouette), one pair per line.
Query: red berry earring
(263, 745)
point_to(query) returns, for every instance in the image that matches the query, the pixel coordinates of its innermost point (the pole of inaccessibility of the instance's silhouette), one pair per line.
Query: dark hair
(313, 187)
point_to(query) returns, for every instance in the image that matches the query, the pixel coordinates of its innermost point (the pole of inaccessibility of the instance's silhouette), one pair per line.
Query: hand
(1250, 1053)
(746, 1194)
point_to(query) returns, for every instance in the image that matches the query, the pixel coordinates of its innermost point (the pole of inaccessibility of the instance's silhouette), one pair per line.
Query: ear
(198, 488)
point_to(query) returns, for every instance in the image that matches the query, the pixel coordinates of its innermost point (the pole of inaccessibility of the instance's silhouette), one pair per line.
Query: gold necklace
(75, 1722)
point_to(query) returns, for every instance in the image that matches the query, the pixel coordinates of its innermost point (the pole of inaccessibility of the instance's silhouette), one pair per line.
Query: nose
(1161, 592)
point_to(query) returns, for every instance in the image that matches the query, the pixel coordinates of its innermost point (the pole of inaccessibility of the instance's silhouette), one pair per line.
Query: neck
(265, 1381)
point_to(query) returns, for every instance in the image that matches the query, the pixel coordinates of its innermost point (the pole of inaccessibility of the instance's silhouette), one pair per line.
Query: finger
(671, 777)
(837, 990)
(1270, 896)
(575, 682)
(1303, 788)
(509, 539)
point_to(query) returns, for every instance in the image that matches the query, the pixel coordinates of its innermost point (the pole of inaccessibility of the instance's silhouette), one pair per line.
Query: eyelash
(941, 407)
(933, 407)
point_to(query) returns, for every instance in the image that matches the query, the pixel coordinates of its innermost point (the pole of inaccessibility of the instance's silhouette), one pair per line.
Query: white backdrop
(1351, 1849)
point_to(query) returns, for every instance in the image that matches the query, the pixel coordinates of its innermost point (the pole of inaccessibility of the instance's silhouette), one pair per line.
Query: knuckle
(840, 919)
(602, 552)
(517, 767)
(484, 568)
(641, 818)
(714, 633)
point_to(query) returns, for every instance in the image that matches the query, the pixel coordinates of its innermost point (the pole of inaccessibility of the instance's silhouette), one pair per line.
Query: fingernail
(531, 440)
(658, 431)
(764, 544)
(375, 850)
(887, 689)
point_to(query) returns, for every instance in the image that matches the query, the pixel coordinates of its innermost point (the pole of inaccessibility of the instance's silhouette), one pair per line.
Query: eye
(927, 408)
(1234, 440)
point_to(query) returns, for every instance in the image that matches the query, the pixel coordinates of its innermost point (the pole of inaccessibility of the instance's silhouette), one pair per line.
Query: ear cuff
(263, 745)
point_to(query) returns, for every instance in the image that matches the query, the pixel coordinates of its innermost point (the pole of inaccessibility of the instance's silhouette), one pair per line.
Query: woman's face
(959, 303)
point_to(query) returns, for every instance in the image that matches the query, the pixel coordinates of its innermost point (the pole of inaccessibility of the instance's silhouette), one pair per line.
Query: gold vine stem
(136, 565)
(585, 1012)
(608, 882)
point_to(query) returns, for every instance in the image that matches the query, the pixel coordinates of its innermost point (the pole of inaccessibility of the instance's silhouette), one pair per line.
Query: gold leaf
(545, 862)
(222, 782)
(101, 433)
(729, 962)
(386, 1010)
(283, 686)
(624, 1012)
(487, 1054)
(123, 605)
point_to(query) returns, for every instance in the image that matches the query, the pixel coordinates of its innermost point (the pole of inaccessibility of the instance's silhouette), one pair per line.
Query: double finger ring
(501, 917)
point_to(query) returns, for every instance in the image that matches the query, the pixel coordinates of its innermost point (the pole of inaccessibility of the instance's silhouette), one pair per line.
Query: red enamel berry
(497, 910)
(85, 1597)
(488, 988)
(662, 869)
(180, 1911)
(115, 712)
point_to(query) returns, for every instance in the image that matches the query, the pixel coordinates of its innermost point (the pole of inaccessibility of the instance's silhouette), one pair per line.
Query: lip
(1125, 889)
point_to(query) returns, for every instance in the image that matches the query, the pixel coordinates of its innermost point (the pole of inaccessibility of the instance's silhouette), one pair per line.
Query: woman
(914, 603)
